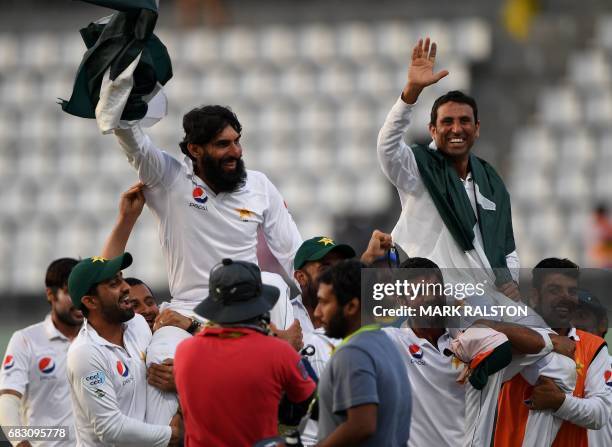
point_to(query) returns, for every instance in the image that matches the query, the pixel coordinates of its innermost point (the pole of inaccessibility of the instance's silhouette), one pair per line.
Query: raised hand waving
(421, 72)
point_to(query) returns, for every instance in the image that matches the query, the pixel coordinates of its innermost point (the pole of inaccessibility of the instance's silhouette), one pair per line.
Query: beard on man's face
(309, 292)
(115, 314)
(337, 327)
(221, 180)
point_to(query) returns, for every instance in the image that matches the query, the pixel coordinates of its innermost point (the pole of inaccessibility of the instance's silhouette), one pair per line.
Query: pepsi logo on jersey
(122, 369)
(416, 353)
(199, 196)
(9, 362)
(46, 365)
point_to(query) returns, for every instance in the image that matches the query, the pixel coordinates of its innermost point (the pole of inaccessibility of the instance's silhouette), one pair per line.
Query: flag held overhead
(113, 45)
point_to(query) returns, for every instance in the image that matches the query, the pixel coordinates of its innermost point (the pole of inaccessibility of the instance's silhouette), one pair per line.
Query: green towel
(496, 361)
(453, 205)
(116, 44)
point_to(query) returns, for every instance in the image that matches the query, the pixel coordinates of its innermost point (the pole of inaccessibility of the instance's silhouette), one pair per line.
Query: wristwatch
(194, 326)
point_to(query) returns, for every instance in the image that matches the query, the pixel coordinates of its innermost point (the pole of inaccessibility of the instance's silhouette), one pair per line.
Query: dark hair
(136, 282)
(58, 273)
(202, 124)
(419, 267)
(93, 291)
(345, 279)
(549, 266)
(453, 96)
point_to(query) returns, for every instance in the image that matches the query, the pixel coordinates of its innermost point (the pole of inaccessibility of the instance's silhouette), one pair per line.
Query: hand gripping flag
(124, 68)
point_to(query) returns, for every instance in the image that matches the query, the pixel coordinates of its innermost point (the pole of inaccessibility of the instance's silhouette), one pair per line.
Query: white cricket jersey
(35, 367)
(438, 401)
(162, 405)
(323, 347)
(282, 312)
(301, 313)
(108, 388)
(198, 228)
(603, 437)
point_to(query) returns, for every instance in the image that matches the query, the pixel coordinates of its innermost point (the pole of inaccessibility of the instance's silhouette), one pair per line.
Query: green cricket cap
(316, 248)
(91, 271)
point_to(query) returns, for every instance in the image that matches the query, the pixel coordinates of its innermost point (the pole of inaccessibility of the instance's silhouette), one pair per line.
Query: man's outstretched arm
(395, 157)
(130, 206)
(155, 167)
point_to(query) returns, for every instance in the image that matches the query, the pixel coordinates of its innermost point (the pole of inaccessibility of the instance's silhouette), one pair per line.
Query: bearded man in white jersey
(208, 206)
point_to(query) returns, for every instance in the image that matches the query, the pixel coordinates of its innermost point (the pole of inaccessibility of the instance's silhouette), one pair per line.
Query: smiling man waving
(455, 207)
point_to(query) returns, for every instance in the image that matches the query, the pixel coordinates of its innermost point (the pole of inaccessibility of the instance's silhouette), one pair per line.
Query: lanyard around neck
(366, 328)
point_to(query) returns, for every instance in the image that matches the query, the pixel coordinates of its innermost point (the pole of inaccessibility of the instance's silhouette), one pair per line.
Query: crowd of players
(205, 370)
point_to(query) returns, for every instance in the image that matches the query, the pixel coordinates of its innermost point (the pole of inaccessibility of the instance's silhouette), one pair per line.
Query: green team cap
(316, 248)
(91, 271)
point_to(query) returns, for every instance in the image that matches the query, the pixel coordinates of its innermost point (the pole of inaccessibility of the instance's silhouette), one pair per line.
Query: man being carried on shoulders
(455, 207)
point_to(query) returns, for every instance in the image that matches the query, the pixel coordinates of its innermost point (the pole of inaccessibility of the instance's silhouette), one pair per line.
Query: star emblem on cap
(98, 259)
(326, 240)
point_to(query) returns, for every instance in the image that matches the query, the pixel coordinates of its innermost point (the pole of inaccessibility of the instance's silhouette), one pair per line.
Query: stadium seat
(395, 40)
(571, 188)
(196, 48)
(316, 43)
(56, 83)
(317, 114)
(238, 44)
(438, 31)
(332, 193)
(71, 51)
(559, 106)
(219, 83)
(259, 82)
(19, 87)
(299, 193)
(338, 80)
(598, 107)
(376, 77)
(278, 44)
(184, 86)
(316, 223)
(604, 32)
(471, 38)
(575, 148)
(356, 41)
(40, 51)
(588, 68)
(299, 80)
(372, 194)
(9, 51)
(357, 114)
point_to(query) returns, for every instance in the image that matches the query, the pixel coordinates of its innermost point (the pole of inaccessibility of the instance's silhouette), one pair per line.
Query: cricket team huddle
(233, 359)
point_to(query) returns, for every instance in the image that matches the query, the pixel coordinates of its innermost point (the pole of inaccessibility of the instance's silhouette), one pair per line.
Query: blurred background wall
(311, 81)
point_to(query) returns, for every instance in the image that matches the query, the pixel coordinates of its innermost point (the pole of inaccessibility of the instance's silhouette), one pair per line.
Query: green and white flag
(453, 205)
(125, 66)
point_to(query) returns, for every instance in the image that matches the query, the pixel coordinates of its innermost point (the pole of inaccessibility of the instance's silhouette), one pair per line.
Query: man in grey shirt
(364, 393)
